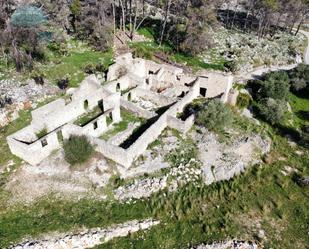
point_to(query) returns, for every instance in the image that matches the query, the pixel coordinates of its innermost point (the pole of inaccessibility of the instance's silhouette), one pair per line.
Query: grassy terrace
(89, 116)
(59, 65)
(127, 117)
(149, 48)
(74, 63)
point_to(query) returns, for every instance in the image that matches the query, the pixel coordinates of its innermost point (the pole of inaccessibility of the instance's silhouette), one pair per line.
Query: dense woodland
(184, 24)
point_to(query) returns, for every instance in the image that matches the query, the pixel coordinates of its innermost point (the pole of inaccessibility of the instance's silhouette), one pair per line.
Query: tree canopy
(28, 17)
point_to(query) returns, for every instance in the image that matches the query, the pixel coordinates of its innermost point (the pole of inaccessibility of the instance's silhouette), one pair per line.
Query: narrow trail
(306, 55)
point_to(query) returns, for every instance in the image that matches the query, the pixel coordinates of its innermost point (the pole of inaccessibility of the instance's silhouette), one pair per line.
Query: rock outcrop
(88, 239)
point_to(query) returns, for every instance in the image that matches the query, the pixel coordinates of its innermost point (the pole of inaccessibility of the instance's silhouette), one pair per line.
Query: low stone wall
(88, 238)
(181, 126)
(115, 153)
(35, 152)
(156, 98)
(136, 109)
(152, 133)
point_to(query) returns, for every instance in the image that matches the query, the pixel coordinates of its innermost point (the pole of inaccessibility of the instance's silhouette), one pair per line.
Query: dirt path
(306, 55)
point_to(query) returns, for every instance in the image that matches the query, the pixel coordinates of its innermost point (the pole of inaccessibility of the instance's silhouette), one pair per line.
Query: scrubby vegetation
(243, 100)
(77, 149)
(41, 133)
(215, 116)
(273, 93)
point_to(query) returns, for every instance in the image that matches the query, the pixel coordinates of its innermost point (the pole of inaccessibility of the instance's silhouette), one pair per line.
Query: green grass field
(73, 65)
(149, 48)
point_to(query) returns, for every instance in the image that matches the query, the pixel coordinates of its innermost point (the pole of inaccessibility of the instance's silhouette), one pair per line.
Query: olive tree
(215, 116)
(272, 110)
(22, 36)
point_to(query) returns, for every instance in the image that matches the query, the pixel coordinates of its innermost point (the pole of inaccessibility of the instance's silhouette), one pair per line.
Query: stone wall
(181, 126)
(152, 133)
(216, 85)
(35, 152)
(136, 109)
(154, 97)
(115, 153)
(56, 117)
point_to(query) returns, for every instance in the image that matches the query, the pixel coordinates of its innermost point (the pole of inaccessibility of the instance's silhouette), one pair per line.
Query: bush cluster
(215, 116)
(270, 95)
(243, 100)
(77, 149)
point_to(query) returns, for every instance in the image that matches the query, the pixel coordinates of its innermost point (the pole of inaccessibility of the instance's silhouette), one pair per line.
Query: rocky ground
(232, 244)
(150, 173)
(16, 96)
(221, 161)
(249, 52)
(55, 176)
(87, 238)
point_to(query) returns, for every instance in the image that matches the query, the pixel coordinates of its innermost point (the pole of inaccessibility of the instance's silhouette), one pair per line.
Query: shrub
(276, 86)
(143, 52)
(305, 136)
(43, 132)
(300, 79)
(63, 83)
(38, 77)
(90, 68)
(243, 100)
(183, 154)
(230, 66)
(272, 110)
(77, 149)
(215, 116)
(195, 41)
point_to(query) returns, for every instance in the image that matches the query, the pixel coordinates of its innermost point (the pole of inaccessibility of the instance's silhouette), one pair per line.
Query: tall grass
(77, 149)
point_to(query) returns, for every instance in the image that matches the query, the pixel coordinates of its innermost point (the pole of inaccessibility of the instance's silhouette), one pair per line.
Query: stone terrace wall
(156, 98)
(181, 126)
(136, 109)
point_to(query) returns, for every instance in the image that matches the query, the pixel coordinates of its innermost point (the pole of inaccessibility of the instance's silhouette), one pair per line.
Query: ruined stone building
(137, 85)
